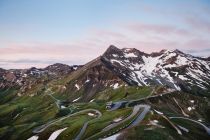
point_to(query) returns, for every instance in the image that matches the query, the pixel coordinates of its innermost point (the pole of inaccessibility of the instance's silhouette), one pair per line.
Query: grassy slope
(37, 110)
(20, 115)
(167, 105)
(124, 93)
(163, 131)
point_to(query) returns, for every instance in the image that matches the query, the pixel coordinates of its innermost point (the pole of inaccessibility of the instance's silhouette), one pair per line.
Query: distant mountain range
(124, 92)
(174, 69)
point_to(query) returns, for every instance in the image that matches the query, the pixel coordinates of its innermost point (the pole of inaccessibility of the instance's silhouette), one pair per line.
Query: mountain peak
(178, 51)
(112, 48)
(129, 49)
(57, 65)
(167, 67)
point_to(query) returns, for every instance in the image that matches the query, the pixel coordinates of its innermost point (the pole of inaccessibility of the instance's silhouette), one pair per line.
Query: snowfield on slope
(165, 68)
(55, 134)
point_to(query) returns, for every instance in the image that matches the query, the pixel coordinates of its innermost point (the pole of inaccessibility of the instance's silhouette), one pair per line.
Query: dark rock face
(90, 79)
(130, 54)
(116, 60)
(61, 69)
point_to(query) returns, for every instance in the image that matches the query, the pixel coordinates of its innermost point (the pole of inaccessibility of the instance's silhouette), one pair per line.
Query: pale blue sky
(69, 26)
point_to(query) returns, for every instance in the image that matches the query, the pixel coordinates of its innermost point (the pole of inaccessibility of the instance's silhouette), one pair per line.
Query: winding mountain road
(141, 115)
(43, 127)
(205, 127)
(117, 105)
(137, 120)
(82, 131)
(148, 97)
(50, 93)
(136, 110)
(57, 102)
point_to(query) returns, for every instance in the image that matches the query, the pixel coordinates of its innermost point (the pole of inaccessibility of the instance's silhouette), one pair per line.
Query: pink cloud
(145, 37)
(198, 24)
(157, 29)
(46, 54)
(107, 33)
(150, 28)
(197, 44)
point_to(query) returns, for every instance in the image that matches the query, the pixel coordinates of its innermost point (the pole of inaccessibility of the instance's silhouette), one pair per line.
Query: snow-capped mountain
(119, 87)
(172, 68)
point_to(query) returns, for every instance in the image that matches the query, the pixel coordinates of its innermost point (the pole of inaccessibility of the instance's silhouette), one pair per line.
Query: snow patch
(158, 112)
(91, 114)
(150, 64)
(117, 120)
(114, 55)
(76, 99)
(75, 68)
(55, 134)
(16, 116)
(127, 55)
(169, 55)
(88, 80)
(159, 81)
(114, 137)
(192, 101)
(62, 107)
(77, 86)
(116, 61)
(176, 73)
(92, 100)
(182, 77)
(200, 120)
(154, 122)
(24, 75)
(181, 60)
(183, 128)
(33, 138)
(116, 86)
(189, 108)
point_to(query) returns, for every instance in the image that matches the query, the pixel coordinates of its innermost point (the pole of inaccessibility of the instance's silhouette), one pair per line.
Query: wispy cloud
(199, 24)
(157, 29)
(43, 54)
(145, 25)
(145, 37)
